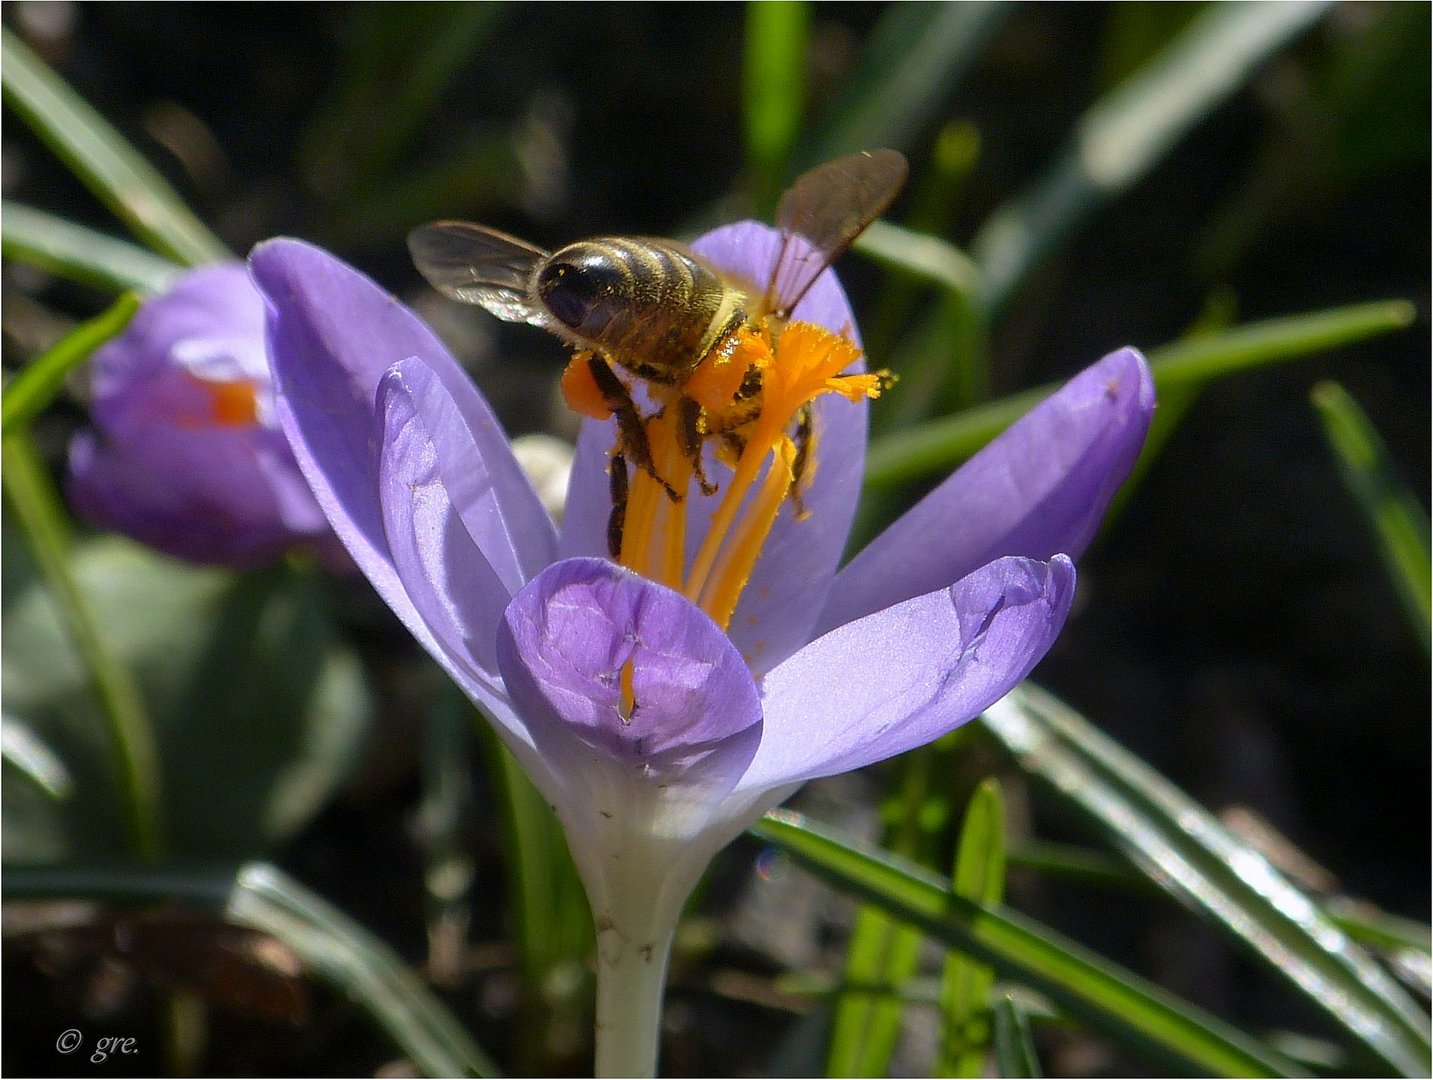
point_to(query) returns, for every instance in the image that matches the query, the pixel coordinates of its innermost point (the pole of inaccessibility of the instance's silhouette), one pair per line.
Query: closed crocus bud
(185, 454)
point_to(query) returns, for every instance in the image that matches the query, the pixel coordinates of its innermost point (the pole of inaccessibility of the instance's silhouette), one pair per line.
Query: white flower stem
(640, 847)
(631, 978)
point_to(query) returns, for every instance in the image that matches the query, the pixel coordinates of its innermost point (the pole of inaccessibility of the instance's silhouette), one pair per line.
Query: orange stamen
(742, 477)
(805, 365)
(235, 404)
(729, 577)
(640, 523)
(809, 363)
(799, 362)
(676, 468)
(654, 530)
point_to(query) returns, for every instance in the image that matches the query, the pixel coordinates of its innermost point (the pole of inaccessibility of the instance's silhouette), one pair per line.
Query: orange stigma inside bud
(227, 403)
(764, 435)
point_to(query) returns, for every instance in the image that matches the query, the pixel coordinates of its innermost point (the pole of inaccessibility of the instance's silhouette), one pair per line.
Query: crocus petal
(468, 480)
(293, 498)
(443, 567)
(584, 629)
(899, 678)
(789, 583)
(1041, 487)
(220, 509)
(332, 334)
(589, 504)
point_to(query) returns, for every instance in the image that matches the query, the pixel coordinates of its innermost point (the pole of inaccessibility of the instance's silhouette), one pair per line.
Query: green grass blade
(32, 498)
(552, 931)
(1186, 851)
(72, 251)
(978, 875)
(128, 885)
(947, 359)
(1380, 930)
(942, 444)
(1398, 522)
(1118, 1003)
(356, 962)
(1290, 337)
(1014, 1049)
(1131, 129)
(881, 958)
(914, 57)
(32, 391)
(773, 93)
(979, 872)
(883, 954)
(1081, 864)
(101, 158)
(1360, 920)
(924, 256)
(27, 753)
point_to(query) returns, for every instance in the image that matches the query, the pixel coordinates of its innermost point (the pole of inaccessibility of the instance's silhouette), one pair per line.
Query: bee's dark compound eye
(572, 287)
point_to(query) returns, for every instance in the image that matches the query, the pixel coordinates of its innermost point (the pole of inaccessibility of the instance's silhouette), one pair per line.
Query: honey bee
(657, 310)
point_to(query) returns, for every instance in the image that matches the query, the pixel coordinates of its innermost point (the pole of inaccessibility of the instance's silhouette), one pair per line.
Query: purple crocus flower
(186, 455)
(660, 719)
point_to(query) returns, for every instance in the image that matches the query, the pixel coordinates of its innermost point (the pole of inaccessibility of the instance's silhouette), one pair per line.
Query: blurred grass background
(1235, 627)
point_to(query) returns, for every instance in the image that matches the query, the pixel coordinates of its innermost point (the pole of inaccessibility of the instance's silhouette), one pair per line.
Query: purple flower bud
(186, 454)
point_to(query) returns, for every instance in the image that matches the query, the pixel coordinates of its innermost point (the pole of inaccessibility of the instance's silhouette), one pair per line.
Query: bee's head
(578, 281)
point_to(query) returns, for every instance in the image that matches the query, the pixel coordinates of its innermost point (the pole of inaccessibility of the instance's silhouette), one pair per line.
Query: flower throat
(754, 402)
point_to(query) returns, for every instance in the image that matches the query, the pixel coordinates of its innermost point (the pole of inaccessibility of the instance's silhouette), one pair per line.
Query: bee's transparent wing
(828, 208)
(480, 266)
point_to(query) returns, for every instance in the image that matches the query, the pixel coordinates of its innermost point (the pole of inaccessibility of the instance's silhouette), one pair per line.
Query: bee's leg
(617, 481)
(750, 384)
(689, 431)
(805, 439)
(735, 443)
(631, 428)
